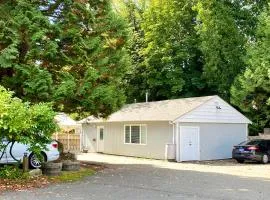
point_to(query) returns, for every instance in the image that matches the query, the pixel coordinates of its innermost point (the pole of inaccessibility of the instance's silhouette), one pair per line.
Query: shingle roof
(167, 110)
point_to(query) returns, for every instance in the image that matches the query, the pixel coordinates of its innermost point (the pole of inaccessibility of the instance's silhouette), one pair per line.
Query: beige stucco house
(202, 128)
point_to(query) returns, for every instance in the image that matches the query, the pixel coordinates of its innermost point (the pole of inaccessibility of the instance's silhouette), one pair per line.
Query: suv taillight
(254, 148)
(55, 145)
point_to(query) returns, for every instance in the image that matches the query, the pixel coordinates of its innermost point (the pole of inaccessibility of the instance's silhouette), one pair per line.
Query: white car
(19, 150)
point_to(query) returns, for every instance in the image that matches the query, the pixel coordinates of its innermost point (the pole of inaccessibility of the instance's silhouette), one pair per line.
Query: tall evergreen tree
(251, 90)
(69, 52)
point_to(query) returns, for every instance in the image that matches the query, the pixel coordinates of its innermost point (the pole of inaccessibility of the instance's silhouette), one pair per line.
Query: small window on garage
(135, 134)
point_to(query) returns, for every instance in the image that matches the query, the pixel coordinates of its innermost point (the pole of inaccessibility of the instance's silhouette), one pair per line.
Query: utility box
(170, 152)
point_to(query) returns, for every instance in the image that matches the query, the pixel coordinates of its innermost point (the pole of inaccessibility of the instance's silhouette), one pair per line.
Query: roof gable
(215, 110)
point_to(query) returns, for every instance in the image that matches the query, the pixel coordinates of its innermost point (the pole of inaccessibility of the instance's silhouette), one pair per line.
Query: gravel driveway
(148, 179)
(229, 167)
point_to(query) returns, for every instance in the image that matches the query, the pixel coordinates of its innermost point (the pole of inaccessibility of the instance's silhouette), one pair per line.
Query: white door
(100, 139)
(189, 143)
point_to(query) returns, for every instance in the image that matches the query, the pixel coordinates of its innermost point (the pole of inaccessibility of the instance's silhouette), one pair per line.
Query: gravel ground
(131, 178)
(229, 167)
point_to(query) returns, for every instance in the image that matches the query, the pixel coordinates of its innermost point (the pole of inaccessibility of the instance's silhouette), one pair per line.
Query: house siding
(158, 135)
(208, 112)
(217, 139)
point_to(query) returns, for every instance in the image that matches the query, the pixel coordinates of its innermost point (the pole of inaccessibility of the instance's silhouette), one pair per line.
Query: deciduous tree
(251, 90)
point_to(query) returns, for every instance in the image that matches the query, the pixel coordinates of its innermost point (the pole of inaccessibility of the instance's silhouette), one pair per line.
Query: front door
(100, 139)
(189, 143)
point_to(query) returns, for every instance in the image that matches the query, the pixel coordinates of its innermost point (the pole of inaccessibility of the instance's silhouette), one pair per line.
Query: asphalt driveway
(147, 181)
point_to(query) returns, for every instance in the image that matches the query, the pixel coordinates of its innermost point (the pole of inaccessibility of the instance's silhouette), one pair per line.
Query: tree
(171, 57)
(71, 53)
(24, 123)
(251, 90)
(221, 42)
(135, 78)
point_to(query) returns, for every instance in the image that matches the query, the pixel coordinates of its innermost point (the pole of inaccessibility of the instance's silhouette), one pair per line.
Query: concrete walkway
(227, 167)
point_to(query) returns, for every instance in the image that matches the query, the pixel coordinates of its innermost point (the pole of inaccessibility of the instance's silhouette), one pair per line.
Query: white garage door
(189, 143)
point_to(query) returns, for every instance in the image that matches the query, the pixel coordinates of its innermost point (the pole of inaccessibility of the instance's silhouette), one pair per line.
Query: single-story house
(201, 128)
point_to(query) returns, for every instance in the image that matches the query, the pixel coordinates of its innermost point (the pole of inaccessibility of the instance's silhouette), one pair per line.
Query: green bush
(31, 124)
(12, 172)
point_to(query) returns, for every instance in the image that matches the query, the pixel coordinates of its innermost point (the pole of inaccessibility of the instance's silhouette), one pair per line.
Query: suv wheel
(265, 159)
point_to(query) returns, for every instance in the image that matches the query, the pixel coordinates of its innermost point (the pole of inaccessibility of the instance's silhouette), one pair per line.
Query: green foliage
(221, 43)
(135, 78)
(12, 172)
(171, 57)
(25, 123)
(70, 176)
(251, 90)
(64, 52)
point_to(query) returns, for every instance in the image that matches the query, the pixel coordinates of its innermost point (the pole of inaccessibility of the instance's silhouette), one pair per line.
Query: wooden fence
(71, 142)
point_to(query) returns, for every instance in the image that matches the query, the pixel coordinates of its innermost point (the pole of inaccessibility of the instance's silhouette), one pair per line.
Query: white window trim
(140, 125)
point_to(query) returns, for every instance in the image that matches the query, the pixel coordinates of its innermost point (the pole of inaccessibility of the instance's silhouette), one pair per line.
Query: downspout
(173, 139)
(173, 145)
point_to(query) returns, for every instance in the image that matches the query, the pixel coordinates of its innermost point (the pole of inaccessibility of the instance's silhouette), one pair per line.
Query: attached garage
(202, 128)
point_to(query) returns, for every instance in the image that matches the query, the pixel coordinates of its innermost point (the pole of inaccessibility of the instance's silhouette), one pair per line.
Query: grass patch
(70, 176)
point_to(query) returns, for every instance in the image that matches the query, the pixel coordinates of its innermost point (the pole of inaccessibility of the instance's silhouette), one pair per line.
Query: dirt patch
(43, 181)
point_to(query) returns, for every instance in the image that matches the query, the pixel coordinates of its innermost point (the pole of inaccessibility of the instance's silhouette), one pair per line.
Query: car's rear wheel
(240, 161)
(265, 159)
(35, 162)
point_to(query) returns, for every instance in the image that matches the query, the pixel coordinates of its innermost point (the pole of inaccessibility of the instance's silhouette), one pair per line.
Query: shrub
(12, 172)
(24, 122)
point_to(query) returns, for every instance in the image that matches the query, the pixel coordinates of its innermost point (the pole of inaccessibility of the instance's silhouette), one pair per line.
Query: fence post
(25, 163)
(68, 142)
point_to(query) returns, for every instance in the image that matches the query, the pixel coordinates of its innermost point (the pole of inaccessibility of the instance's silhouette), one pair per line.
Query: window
(101, 133)
(135, 134)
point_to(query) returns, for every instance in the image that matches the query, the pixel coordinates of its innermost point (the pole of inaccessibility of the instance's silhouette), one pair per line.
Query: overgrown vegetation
(90, 57)
(12, 172)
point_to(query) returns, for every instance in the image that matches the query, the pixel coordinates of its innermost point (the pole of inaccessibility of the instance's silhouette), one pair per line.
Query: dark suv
(255, 150)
